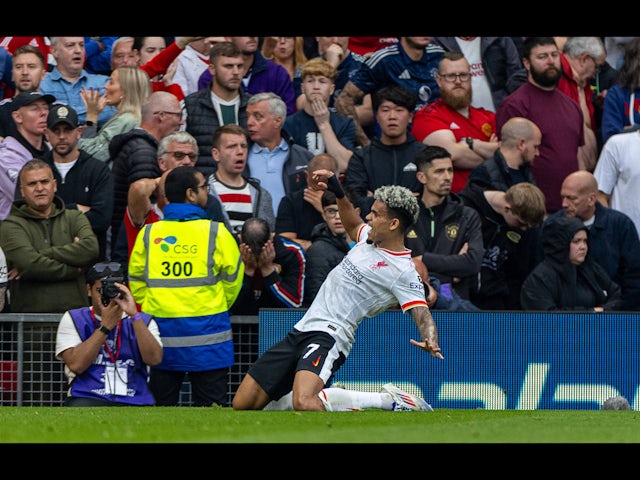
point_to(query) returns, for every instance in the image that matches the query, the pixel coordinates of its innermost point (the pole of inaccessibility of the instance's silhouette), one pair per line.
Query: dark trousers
(207, 387)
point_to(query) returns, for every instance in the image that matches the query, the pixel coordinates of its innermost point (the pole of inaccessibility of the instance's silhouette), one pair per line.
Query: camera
(109, 290)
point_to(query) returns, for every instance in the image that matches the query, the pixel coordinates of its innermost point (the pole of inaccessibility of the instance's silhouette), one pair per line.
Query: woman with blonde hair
(286, 51)
(127, 89)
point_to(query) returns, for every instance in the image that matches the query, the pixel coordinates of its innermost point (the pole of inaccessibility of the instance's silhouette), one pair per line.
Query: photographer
(274, 268)
(107, 348)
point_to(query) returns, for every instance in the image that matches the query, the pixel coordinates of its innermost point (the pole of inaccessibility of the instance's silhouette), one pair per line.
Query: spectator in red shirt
(466, 132)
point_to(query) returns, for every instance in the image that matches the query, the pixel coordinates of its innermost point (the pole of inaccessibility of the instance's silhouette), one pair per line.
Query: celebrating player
(376, 274)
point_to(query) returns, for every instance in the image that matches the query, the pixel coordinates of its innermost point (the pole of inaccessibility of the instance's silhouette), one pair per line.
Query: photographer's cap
(62, 114)
(101, 270)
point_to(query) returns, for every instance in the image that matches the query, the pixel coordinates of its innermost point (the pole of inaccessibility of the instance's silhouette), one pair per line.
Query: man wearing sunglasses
(107, 348)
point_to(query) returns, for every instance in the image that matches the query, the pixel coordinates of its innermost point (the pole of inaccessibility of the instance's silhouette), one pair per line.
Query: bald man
(613, 238)
(511, 162)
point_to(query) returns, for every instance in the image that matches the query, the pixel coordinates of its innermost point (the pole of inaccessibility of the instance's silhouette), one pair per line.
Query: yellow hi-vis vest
(187, 274)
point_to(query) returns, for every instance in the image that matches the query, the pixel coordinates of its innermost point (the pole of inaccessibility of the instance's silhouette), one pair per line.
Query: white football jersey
(366, 282)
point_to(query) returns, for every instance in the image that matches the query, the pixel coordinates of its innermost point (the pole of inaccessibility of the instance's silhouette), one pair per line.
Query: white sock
(342, 400)
(285, 403)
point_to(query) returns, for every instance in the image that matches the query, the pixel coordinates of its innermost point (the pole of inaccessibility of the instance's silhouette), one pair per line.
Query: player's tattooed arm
(424, 321)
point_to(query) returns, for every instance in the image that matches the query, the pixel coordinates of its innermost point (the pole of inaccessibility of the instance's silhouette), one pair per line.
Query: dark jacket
(500, 60)
(326, 251)
(278, 290)
(202, 121)
(378, 164)
(89, 182)
(557, 284)
(454, 224)
(495, 174)
(509, 255)
(295, 214)
(614, 244)
(134, 155)
(47, 256)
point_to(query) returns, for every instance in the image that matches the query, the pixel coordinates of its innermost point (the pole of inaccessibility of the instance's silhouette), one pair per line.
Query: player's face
(379, 221)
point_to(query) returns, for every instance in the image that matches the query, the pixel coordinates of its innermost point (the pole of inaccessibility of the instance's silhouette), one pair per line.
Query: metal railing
(30, 375)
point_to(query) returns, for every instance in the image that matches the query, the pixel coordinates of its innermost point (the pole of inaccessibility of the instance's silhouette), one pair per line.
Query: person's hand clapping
(94, 102)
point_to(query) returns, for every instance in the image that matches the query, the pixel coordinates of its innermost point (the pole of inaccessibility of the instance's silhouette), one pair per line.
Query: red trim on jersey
(415, 303)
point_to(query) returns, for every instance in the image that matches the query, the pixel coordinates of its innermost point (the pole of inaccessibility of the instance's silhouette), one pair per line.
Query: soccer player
(376, 274)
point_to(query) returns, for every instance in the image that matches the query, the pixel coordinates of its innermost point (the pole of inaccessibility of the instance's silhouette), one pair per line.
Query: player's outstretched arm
(428, 331)
(326, 180)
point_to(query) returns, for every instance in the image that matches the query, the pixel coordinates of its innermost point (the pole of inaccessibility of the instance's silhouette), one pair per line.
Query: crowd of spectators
(497, 137)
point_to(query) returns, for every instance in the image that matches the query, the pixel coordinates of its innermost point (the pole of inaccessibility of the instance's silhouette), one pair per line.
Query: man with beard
(260, 74)
(466, 132)
(559, 118)
(222, 102)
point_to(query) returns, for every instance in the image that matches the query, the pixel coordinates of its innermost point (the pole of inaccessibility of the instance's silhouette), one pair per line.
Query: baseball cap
(27, 98)
(62, 114)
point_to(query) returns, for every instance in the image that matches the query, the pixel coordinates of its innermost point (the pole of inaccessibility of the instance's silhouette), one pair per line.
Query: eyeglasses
(331, 212)
(205, 186)
(451, 77)
(181, 155)
(595, 62)
(101, 267)
(179, 114)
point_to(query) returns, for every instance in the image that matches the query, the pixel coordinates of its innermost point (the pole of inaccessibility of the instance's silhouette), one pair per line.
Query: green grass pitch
(223, 425)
